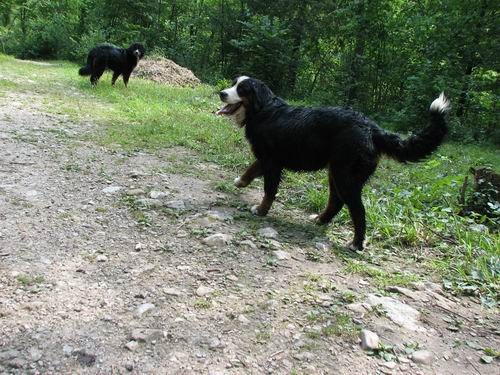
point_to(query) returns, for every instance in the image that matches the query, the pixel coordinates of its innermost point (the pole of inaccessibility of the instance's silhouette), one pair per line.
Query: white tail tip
(441, 104)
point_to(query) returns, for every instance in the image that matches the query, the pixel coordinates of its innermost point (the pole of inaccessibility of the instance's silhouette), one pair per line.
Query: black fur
(106, 56)
(340, 139)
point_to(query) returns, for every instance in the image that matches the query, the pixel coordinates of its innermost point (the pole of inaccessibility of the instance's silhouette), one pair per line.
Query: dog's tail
(87, 69)
(421, 144)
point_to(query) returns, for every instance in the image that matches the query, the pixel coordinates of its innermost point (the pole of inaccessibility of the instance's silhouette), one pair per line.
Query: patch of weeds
(27, 280)
(386, 352)
(135, 209)
(225, 187)
(317, 283)
(271, 262)
(313, 255)
(492, 352)
(72, 168)
(381, 278)
(411, 347)
(348, 297)
(101, 210)
(335, 323)
(313, 335)
(343, 326)
(262, 336)
(104, 175)
(203, 303)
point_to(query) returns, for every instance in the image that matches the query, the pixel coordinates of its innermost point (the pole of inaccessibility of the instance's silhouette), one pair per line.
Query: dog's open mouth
(229, 109)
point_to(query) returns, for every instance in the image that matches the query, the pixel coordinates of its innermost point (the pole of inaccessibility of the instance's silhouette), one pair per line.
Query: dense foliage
(388, 58)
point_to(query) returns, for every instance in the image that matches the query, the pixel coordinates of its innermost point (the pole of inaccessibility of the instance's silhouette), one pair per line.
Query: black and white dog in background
(310, 139)
(107, 56)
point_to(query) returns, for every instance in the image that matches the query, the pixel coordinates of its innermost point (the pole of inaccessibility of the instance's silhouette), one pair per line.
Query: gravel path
(112, 263)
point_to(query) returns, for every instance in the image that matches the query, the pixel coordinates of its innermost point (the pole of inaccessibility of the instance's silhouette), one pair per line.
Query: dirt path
(105, 268)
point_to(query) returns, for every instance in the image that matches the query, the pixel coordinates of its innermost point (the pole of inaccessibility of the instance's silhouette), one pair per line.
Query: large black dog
(119, 60)
(310, 139)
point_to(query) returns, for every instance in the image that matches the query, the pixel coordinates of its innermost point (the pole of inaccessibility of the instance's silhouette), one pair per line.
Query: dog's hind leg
(272, 178)
(126, 77)
(252, 172)
(334, 205)
(349, 183)
(115, 77)
(96, 74)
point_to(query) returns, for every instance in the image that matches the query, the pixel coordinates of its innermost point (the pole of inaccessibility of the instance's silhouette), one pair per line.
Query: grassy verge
(412, 209)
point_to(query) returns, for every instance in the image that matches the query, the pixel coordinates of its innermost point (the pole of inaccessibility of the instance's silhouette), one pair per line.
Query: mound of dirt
(165, 71)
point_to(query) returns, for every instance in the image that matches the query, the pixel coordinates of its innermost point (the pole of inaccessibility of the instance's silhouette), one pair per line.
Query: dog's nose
(223, 95)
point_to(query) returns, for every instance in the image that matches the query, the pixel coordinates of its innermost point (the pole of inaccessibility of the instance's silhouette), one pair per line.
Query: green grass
(411, 209)
(381, 278)
(29, 280)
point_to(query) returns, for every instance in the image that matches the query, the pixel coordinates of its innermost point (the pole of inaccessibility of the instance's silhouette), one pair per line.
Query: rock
(369, 340)
(146, 335)
(172, 292)
(135, 192)
(111, 189)
(15, 363)
(304, 356)
(132, 345)
(386, 371)
(145, 307)
(249, 244)
(390, 365)
(282, 255)
(400, 313)
(85, 358)
(149, 203)
(9, 354)
(67, 350)
(321, 246)
(101, 258)
(153, 194)
(217, 240)
(243, 319)
(218, 215)
(487, 359)
(214, 343)
(268, 232)
(136, 174)
(35, 354)
(31, 193)
(176, 205)
(416, 296)
(357, 308)
(423, 357)
(139, 246)
(129, 366)
(203, 291)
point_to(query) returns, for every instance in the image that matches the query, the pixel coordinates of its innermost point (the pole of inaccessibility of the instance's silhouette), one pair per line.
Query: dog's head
(245, 97)
(138, 50)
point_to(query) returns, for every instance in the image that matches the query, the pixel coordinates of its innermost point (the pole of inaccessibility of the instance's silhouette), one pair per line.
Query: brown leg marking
(252, 172)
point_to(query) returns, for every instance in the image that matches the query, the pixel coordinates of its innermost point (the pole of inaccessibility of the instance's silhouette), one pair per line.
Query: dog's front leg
(272, 178)
(252, 172)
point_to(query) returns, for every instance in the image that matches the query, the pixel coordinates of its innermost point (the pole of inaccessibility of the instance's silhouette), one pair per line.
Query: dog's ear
(261, 95)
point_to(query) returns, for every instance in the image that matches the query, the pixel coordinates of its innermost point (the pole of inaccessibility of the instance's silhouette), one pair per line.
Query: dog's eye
(243, 89)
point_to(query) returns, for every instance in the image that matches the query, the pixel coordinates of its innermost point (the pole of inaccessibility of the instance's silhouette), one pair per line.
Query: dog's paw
(257, 211)
(239, 183)
(354, 247)
(317, 219)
